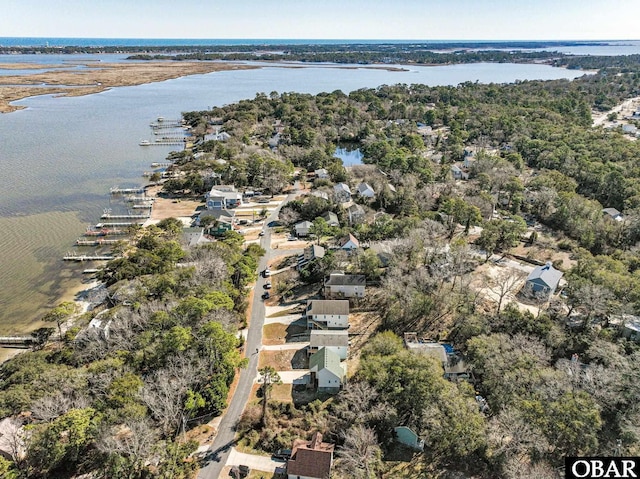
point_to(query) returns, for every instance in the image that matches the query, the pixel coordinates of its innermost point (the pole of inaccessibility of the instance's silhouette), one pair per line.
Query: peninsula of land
(96, 77)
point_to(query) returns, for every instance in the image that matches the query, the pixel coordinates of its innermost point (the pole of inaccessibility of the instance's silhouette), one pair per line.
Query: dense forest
(118, 404)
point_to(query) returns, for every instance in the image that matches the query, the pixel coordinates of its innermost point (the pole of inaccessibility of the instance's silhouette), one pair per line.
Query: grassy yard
(278, 333)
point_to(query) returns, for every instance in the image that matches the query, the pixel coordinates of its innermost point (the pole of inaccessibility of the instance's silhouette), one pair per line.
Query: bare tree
(135, 440)
(507, 281)
(360, 456)
(269, 376)
(12, 439)
(50, 407)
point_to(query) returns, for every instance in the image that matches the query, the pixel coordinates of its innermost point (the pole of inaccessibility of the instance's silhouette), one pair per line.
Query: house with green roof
(328, 373)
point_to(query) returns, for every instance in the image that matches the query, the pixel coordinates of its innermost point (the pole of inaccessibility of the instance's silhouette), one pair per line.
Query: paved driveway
(254, 461)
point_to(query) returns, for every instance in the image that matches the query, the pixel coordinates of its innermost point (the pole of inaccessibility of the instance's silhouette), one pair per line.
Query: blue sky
(324, 19)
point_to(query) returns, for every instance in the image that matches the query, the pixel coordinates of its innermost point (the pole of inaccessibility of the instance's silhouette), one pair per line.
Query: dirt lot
(98, 77)
(285, 360)
(278, 333)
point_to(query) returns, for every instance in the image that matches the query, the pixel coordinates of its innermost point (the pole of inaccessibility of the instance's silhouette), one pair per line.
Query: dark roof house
(310, 459)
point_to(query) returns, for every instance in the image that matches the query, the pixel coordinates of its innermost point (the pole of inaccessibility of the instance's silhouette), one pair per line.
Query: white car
(267, 273)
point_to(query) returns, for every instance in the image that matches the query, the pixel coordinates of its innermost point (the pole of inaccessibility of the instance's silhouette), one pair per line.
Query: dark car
(267, 286)
(266, 295)
(283, 454)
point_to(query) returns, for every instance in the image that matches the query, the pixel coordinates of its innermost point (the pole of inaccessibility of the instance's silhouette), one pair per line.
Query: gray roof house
(356, 213)
(310, 253)
(327, 314)
(543, 280)
(322, 173)
(340, 285)
(331, 218)
(334, 340)
(613, 213)
(342, 192)
(364, 189)
(303, 228)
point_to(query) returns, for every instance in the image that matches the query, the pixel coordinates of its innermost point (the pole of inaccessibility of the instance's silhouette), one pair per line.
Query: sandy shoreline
(96, 78)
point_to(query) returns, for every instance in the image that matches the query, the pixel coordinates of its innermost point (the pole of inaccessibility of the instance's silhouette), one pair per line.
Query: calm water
(60, 156)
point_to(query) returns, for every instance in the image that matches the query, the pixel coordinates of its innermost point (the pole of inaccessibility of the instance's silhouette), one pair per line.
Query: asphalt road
(216, 456)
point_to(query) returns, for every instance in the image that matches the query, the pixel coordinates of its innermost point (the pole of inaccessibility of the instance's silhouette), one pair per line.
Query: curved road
(216, 456)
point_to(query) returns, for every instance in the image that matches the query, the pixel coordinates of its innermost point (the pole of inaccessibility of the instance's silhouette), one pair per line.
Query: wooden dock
(139, 199)
(88, 257)
(105, 232)
(109, 216)
(16, 341)
(121, 191)
(161, 165)
(115, 225)
(97, 242)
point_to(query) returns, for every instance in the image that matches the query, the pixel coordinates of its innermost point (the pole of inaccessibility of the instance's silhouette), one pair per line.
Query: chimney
(548, 265)
(316, 441)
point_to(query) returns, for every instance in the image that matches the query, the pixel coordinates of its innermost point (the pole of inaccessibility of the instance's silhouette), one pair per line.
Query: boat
(144, 143)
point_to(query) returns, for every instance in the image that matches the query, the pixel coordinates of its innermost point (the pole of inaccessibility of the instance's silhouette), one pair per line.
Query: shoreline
(97, 79)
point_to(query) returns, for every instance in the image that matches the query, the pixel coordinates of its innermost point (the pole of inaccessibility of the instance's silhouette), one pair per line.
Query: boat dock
(112, 225)
(109, 216)
(97, 242)
(87, 257)
(16, 341)
(143, 206)
(161, 165)
(105, 232)
(120, 191)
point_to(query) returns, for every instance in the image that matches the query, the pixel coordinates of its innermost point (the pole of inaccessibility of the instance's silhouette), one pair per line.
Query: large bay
(60, 156)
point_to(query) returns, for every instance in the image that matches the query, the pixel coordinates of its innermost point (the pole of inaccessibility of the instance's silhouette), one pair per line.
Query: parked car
(283, 454)
(261, 233)
(266, 273)
(266, 295)
(267, 286)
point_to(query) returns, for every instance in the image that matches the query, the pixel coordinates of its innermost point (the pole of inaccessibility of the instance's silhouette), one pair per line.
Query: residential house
(613, 214)
(321, 194)
(340, 285)
(543, 281)
(309, 254)
(217, 136)
(365, 190)
(459, 172)
(406, 436)
(328, 373)
(631, 328)
(223, 197)
(348, 242)
(224, 220)
(342, 193)
(322, 174)
(303, 228)
(193, 236)
(452, 362)
(355, 213)
(327, 314)
(331, 218)
(334, 340)
(310, 459)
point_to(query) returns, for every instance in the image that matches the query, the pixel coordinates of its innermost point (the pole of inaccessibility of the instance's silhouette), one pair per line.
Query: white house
(322, 173)
(342, 192)
(328, 373)
(223, 197)
(355, 213)
(303, 228)
(342, 285)
(327, 314)
(365, 190)
(348, 242)
(334, 340)
(309, 254)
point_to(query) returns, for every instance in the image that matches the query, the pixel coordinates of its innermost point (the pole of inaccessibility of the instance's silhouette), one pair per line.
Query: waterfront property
(223, 197)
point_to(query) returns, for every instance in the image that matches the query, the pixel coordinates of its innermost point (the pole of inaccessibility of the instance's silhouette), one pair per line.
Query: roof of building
(219, 215)
(325, 337)
(330, 217)
(326, 359)
(313, 251)
(342, 187)
(303, 224)
(328, 306)
(611, 212)
(344, 240)
(341, 279)
(311, 458)
(321, 171)
(363, 187)
(355, 208)
(320, 194)
(547, 274)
